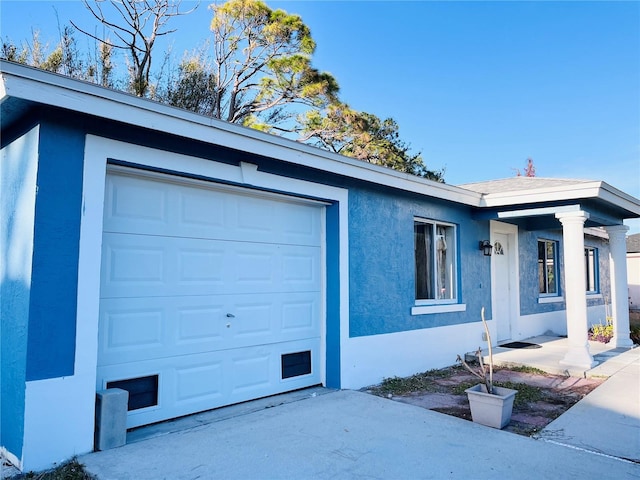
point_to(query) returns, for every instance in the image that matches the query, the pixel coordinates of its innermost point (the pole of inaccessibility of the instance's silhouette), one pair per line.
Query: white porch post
(619, 287)
(578, 355)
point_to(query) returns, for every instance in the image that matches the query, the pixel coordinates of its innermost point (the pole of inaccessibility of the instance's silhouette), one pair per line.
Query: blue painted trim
(52, 324)
(333, 296)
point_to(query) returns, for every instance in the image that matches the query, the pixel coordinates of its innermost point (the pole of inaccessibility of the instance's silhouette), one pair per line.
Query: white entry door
(503, 285)
(209, 295)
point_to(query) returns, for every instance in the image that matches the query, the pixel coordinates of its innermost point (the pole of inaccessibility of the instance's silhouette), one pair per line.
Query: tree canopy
(255, 69)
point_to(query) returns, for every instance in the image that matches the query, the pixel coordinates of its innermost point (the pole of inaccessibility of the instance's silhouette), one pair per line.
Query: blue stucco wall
(52, 309)
(528, 258)
(381, 262)
(18, 171)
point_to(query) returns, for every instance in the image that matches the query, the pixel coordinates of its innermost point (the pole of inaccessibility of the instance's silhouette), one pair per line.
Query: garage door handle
(230, 315)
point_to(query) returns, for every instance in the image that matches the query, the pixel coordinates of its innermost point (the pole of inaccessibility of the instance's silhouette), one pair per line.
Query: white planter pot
(493, 410)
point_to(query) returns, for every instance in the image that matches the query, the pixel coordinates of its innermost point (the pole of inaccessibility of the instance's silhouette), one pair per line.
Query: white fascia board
(580, 190)
(534, 212)
(586, 190)
(619, 198)
(56, 90)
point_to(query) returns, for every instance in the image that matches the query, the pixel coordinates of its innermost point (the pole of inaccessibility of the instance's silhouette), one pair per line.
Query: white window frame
(556, 268)
(592, 272)
(451, 302)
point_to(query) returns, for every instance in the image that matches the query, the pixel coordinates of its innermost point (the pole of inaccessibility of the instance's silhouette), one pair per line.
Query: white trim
(456, 271)
(13, 460)
(532, 212)
(174, 177)
(576, 191)
(554, 299)
(58, 420)
(446, 308)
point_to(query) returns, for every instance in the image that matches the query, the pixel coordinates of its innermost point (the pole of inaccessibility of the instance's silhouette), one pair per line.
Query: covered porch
(575, 208)
(547, 353)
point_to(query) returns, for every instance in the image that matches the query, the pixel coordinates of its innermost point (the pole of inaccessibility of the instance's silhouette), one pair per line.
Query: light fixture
(486, 247)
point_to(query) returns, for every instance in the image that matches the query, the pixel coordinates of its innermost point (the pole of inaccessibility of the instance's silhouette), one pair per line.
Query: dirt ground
(541, 397)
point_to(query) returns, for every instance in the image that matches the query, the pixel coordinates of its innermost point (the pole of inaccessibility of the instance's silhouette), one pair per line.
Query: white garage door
(209, 296)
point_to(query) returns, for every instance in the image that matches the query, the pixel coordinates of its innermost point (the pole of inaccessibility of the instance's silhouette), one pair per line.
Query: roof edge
(19, 81)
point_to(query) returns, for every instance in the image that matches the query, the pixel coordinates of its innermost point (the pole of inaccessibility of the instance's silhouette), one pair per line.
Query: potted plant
(490, 405)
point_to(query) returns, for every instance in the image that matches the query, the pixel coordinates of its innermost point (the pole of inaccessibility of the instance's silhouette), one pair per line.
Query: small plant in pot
(490, 405)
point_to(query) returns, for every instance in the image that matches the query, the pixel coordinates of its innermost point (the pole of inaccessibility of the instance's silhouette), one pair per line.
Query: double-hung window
(591, 264)
(547, 268)
(435, 262)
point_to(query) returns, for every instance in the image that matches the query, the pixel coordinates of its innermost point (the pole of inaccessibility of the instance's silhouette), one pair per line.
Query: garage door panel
(190, 211)
(202, 211)
(130, 330)
(150, 266)
(134, 329)
(200, 325)
(251, 371)
(201, 382)
(130, 202)
(136, 263)
(185, 326)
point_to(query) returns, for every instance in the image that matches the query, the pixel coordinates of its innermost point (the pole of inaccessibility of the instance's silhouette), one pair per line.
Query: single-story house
(197, 263)
(633, 270)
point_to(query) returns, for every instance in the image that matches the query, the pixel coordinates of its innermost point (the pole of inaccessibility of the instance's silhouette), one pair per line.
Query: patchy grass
(525, 369)
(72, 470)
(420, 382)
(526, 393)
(428, 382)
(540, 399)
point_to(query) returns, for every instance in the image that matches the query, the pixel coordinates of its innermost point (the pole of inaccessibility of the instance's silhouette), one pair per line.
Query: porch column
(578, 355)
(619, 287)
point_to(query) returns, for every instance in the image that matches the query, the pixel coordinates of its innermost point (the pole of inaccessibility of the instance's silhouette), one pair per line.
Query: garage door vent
(296, 364)
(143, 391)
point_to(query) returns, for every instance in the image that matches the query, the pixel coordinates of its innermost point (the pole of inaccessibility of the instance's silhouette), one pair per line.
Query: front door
(503, 286)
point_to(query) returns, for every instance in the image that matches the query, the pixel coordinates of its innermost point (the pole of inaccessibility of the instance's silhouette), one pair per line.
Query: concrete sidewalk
(347, 434)
(608, 419)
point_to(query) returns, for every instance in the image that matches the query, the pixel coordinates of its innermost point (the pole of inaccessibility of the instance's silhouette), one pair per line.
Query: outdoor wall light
(485, 246)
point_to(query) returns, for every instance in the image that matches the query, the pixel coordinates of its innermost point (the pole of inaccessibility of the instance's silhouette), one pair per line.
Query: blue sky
(477, 87)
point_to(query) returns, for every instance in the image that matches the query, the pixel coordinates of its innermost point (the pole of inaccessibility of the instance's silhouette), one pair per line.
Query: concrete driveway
(346, 434)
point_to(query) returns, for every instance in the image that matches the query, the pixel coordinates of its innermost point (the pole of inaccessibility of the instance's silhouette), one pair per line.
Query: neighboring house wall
(633, 277)
(633, 270)
(18, 174)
